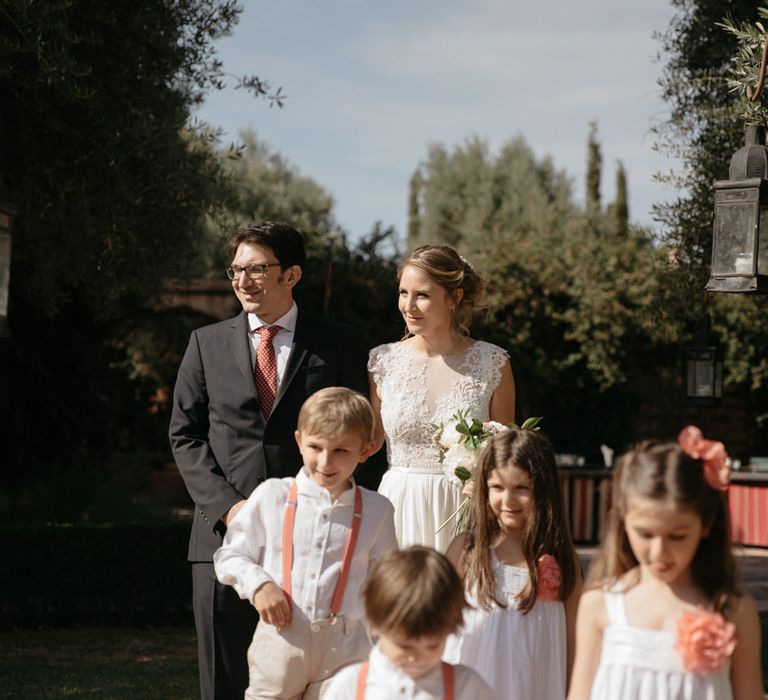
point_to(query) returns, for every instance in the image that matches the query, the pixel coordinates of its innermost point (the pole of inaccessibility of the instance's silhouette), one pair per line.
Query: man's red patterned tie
(265, 371)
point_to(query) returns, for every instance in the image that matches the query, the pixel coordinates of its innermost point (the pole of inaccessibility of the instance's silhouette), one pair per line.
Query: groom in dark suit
(238, 393)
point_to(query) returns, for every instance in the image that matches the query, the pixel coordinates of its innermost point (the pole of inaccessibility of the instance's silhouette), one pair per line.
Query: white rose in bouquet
(456, 456)
(456, 445)
(449, 436)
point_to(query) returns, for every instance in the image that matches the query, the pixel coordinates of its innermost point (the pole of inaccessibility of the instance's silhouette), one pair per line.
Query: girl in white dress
(423, 380)
(520, 571)
(664, 618)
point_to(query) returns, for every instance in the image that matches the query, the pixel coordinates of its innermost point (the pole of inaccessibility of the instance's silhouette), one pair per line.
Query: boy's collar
(310, 488)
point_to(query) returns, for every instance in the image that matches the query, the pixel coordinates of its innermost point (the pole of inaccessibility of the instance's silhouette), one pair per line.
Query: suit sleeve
(204, 479)
(239, 560)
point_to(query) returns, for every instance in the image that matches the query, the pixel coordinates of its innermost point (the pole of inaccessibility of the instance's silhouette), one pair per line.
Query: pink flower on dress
(549, 577)
(705, 641)
(711, 453)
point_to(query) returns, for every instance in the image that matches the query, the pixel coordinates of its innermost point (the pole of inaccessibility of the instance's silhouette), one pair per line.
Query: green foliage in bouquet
(745, 68)
(471, 433)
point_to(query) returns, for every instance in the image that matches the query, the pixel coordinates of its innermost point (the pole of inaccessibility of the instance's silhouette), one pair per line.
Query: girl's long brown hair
(663, 471)
(546, 531)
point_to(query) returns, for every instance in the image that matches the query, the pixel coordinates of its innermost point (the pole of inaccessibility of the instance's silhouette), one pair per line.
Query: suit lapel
(241, 348)
(299, 350)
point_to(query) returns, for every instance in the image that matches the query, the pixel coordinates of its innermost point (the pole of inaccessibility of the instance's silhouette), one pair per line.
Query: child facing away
(414, 600)
(520, 571)
(301, 549)
(663, 618)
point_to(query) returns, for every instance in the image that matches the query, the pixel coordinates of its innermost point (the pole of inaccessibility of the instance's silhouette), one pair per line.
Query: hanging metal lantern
(704, 368)
(740, 237)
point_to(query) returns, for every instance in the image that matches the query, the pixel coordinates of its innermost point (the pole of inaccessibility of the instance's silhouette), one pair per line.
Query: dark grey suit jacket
(222, 445)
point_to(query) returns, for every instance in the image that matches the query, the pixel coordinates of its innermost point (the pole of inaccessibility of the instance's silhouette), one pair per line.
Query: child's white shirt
(251, 553)
(386, 681)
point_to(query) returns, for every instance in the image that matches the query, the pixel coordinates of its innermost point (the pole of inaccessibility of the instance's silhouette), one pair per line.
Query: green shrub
(114, 575)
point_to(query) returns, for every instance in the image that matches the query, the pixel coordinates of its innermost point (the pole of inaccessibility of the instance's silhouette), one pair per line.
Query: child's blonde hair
(663, 471)
(335, 410)
(546, 530)
(415, 591)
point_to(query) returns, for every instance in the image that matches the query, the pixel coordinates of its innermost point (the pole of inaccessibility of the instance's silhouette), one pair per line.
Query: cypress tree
(594, 168)
(414, 192)
(621, 205)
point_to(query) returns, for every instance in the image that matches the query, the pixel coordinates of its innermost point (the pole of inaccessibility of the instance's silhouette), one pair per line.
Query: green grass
(120, 664)
(140, 664)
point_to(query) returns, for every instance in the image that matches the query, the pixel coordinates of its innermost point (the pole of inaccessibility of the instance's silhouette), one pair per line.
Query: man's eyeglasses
(253, 272)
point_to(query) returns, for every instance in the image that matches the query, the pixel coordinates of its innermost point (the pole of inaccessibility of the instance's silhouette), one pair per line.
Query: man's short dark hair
(283, 240)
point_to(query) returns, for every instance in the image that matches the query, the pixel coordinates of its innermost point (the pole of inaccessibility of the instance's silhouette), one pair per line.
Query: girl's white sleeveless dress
(416, 393)
(521, 657)
(642, 664)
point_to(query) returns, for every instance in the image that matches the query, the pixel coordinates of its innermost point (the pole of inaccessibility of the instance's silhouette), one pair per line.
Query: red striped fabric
(749, 514)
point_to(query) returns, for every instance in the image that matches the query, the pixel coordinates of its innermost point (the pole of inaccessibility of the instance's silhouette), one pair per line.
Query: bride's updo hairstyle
(444, 266)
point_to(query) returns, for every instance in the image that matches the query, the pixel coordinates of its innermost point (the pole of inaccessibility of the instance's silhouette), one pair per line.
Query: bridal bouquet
(456, 443)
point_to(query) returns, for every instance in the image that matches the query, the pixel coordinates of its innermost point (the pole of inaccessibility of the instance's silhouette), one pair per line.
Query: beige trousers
(294, 662)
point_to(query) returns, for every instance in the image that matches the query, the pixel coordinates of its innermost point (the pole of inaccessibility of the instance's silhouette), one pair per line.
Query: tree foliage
(594, 168)
(573, 296)
(744, 71)
(258, 185)
(704, 129)
(414, 187)
(111, 183)
(620, 208)
(94, 148)
(350, 282)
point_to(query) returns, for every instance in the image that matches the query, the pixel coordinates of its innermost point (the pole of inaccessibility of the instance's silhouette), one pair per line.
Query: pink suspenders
(289, 519)
(448, 681)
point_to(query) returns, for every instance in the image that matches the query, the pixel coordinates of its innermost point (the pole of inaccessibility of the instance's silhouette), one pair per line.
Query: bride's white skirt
(423, 502)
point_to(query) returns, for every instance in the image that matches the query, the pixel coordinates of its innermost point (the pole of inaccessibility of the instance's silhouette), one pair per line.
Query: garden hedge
(124, 575)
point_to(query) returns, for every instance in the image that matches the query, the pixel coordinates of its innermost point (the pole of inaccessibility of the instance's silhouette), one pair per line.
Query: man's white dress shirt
(251, 554)
(386, 681)
(282, 342)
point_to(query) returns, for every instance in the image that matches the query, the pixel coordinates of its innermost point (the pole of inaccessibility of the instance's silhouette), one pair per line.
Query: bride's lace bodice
(418, 392)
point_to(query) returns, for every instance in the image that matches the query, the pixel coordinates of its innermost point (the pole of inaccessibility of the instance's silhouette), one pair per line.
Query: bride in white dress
(423, 380)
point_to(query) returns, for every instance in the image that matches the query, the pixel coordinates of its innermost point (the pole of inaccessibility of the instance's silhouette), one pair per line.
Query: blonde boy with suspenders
(413, 599)
(301, 549)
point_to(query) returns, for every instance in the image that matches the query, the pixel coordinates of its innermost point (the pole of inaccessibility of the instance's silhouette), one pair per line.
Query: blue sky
(371, 84)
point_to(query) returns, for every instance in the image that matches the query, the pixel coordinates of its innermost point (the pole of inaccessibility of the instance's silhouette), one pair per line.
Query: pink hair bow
(711, 453)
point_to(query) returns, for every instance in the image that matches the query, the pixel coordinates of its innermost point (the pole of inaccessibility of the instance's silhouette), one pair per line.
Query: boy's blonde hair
(335, 410)
(415, 591)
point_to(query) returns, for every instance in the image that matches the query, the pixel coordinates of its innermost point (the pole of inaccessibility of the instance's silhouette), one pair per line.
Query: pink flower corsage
(548, 571)
(711, 453)
(705, 641)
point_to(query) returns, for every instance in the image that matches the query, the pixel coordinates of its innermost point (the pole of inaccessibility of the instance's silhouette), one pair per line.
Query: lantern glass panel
(734, 239)
(703, 380)
(762, 242)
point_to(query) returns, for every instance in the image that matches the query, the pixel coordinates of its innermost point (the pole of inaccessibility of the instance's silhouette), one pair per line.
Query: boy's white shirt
(251, 553)
(386, 681)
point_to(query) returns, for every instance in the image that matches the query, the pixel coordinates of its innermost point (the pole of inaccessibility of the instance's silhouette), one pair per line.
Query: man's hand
(272, 605)
(232, 512)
